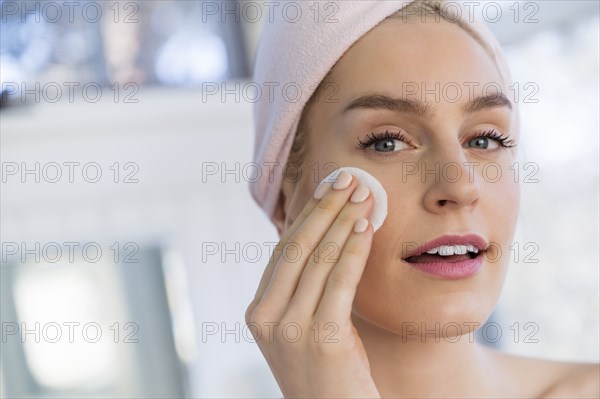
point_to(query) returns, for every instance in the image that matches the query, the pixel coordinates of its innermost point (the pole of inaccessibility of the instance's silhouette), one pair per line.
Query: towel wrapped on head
(293, 57)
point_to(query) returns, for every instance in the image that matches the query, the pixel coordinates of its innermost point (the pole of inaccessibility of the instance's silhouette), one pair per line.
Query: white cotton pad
(379, 212)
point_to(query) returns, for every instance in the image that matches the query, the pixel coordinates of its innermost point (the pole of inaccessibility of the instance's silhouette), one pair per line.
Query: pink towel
(297, 52)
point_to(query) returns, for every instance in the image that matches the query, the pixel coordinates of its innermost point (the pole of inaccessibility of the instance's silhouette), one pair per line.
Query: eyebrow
(419, 108)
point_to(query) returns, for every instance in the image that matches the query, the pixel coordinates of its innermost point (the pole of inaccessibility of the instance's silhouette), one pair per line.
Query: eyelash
(504, 141)
(373, 138)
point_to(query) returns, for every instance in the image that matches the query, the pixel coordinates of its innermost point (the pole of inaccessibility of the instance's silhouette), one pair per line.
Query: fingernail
(321, 190)
(360, 194)
(343, 181)
(361, 225)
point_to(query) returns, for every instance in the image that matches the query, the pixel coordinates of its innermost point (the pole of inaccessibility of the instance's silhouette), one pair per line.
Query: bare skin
(370, 293)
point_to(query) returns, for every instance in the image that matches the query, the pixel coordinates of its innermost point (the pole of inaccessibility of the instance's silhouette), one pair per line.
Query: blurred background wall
(130, 244)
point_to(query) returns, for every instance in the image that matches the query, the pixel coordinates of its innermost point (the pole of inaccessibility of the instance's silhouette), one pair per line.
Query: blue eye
(482, 140)
(384, 142)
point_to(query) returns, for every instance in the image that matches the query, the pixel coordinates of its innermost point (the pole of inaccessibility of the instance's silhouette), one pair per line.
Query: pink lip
(450, 270)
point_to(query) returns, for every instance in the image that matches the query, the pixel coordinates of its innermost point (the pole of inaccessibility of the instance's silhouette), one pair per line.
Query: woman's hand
(300, 315)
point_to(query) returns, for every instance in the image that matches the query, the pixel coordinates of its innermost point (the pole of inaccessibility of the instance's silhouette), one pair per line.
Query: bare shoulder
(542, 378)
(581, 380)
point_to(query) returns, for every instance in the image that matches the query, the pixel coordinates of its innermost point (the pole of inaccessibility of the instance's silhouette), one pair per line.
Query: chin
(460, 314)
(438, 324)
(413, 313)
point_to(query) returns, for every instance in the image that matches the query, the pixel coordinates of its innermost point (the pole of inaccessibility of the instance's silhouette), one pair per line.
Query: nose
(451, 180)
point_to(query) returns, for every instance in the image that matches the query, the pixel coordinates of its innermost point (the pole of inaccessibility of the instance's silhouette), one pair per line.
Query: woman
(357, 314)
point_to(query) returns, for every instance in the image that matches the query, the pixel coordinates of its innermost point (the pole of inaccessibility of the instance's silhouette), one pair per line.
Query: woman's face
(425, 62)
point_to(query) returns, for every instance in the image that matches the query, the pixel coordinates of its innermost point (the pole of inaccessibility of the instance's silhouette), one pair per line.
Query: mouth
(449, 256)
(433, 258)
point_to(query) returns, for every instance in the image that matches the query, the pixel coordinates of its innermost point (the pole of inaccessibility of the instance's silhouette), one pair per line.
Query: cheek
(499, 203)
(300, 190)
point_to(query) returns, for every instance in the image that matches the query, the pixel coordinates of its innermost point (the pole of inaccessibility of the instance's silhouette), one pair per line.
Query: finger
(340, 289)
(277, 251)
(302, 243)
(314, 276)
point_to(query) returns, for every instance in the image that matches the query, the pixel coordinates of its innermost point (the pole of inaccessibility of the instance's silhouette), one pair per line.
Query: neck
(407, 366)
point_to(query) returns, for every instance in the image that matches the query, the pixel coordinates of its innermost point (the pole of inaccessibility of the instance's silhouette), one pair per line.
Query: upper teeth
(447, 250)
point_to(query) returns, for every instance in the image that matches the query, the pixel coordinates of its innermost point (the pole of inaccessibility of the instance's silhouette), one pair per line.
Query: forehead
(396, 55)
